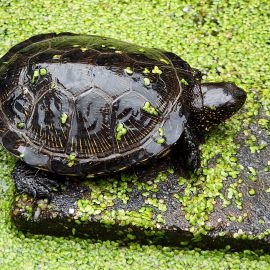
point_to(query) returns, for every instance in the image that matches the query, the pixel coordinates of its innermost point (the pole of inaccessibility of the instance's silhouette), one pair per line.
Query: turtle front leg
(34, 182)
(186, 151)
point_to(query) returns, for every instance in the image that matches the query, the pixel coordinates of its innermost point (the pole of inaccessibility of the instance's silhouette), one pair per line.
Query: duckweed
(156, 70)
(161, 132)
(64, 118)
(42, 72)
(35, 75)
(146, 71)
(20, 125)
(236, 46)
(160, 141)
(71, 161)
(146, 81)
(184, 81)
(56, 56)
(129, 70)
(150, 109)
(121, 131)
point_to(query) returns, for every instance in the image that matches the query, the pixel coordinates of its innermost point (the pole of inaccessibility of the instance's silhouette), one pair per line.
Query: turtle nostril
(236, 91)
(240, 97)
(240, 93)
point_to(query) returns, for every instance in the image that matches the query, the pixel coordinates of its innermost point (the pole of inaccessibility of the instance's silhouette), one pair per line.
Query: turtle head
(214, 103)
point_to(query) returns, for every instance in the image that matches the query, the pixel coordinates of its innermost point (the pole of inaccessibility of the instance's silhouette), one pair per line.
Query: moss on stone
(231, 44)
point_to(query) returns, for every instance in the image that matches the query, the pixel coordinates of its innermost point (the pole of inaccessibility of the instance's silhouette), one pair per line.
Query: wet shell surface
(89, 105)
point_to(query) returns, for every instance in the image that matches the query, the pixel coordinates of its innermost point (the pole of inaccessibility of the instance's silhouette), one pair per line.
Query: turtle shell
(88, 105)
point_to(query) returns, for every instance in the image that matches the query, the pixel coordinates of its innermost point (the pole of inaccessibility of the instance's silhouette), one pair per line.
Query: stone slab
(158, 204)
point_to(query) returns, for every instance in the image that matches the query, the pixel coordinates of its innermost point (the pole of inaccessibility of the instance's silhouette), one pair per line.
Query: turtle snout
(238, 96)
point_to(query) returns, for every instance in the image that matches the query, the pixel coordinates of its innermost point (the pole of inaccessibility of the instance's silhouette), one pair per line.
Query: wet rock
(155, 204)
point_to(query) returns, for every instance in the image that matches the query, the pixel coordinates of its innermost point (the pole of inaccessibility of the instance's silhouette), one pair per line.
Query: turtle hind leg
(186, 151)
(37, 183)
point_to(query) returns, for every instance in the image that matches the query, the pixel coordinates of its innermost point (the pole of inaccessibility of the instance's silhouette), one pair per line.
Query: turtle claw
(36, 183)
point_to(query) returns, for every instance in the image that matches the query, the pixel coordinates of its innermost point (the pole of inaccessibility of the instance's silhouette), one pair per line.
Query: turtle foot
(186, 151)
(37, 183)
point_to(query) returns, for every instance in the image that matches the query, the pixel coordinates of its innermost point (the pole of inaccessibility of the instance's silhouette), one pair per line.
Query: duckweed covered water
(227, 40)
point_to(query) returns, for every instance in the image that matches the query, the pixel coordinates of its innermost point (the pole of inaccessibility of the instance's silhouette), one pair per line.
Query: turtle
(88, 105)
